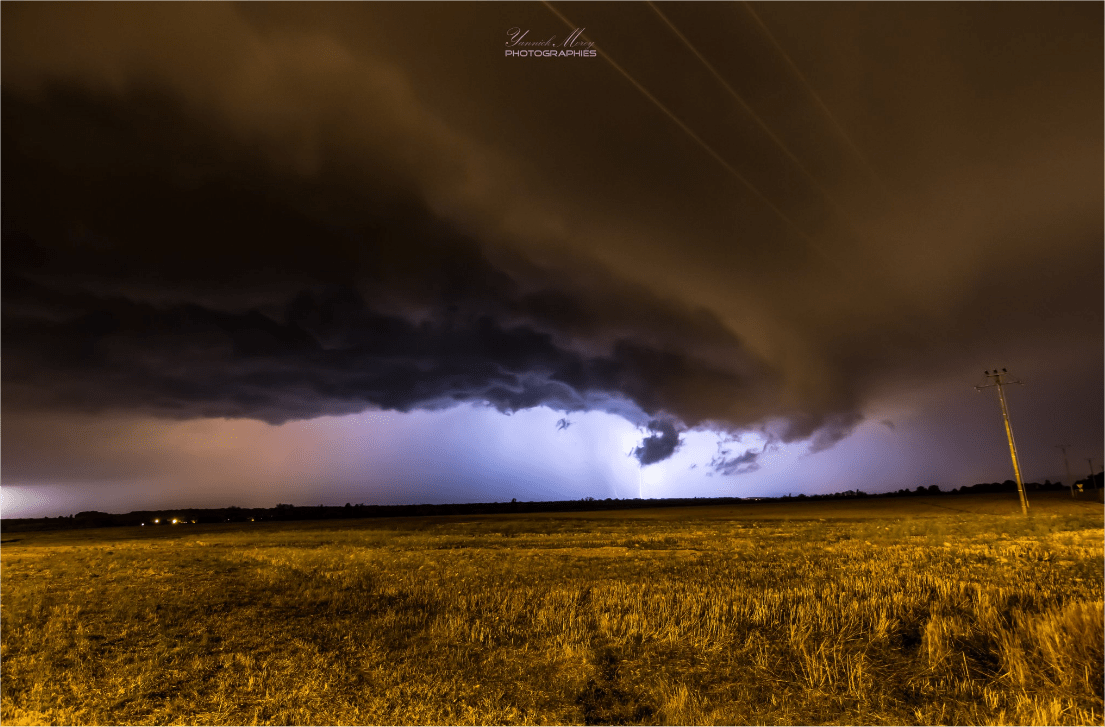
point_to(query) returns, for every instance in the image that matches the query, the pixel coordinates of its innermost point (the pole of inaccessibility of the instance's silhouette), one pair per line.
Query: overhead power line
(705, 147)
(752, 114)
(828, 114)
(845, 272)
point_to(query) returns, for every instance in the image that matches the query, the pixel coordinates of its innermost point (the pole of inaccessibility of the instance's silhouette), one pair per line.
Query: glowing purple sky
(469, 453)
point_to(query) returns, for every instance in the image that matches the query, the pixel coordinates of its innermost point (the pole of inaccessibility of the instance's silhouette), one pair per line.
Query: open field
(912, 610)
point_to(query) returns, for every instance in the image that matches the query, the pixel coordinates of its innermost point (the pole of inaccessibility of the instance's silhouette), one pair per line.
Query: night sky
(318, 254)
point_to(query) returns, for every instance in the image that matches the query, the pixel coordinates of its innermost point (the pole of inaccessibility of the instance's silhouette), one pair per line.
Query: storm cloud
(747, 461)
(659, 445)
(282, 212)
(231, 289)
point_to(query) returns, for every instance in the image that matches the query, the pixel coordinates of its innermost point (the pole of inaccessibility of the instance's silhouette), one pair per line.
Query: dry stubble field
(916, 610)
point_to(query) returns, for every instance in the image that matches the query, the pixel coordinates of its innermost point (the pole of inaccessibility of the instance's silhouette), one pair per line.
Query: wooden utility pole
(1070, 480)
(997, 377)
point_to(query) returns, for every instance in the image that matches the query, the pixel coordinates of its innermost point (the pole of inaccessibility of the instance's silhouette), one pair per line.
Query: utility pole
(997, 377)
(1070, 480)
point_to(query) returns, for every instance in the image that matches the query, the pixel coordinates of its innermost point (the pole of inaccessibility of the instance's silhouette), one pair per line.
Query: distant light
(174, 521)
(143, 524)
(156, 521)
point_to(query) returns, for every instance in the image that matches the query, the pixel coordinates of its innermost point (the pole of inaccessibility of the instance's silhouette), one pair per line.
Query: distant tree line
(284, 512)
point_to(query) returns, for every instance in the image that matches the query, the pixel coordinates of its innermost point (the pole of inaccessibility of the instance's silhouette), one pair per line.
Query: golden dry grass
(893, 612)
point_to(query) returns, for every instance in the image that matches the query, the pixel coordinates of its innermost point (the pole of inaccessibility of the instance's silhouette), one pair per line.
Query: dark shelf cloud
(286, 212)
